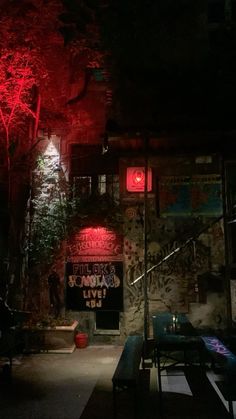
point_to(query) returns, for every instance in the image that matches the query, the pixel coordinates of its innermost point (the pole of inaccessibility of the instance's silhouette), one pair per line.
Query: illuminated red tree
(17, 80)
(39, 40)
(25, 31)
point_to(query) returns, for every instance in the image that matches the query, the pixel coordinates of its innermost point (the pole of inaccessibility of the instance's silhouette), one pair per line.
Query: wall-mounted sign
(94, 286)
(94, 270)
(95, 243)
(135, 179)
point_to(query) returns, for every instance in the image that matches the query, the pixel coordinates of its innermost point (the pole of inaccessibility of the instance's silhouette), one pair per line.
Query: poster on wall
(190, 196)
(95, 286)
(206, 195)
(174, 197)
(94, 270)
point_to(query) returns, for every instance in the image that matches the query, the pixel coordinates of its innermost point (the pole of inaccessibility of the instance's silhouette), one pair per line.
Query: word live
(95, 293)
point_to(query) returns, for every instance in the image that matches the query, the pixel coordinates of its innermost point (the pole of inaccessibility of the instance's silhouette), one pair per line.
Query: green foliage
(48, 230)
(39, 322)
(52, 208)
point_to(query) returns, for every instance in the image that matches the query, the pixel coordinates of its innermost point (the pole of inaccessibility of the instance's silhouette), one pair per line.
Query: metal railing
(178, 249)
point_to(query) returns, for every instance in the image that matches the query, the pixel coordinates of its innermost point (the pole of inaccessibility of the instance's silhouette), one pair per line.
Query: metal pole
(227, 245)
(145, 291)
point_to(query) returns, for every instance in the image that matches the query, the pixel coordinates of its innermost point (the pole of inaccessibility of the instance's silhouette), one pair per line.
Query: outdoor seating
(220, 355)
(126, 375)
(176, 341)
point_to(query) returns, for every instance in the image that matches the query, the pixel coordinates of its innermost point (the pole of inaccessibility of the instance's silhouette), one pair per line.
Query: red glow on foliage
(135, 179)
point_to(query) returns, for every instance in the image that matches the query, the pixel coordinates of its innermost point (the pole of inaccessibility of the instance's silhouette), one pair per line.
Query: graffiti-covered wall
(185, 237)
(180, 220)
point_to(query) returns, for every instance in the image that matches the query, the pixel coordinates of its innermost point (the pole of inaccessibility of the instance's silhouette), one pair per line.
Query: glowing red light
(135, 179)
(138, 177)
(95, 243)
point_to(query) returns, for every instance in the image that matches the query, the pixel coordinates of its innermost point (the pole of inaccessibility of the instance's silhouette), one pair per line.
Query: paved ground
(78, 385)
(48, 386)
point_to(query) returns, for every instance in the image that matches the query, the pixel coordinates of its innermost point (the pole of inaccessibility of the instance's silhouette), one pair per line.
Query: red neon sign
(95, 243)
(135, 179)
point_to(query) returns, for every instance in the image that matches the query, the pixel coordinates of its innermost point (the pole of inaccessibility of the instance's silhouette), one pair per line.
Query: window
(82, 186)
(109, 184)
(93, 173)
(85, 186)
(107, 322)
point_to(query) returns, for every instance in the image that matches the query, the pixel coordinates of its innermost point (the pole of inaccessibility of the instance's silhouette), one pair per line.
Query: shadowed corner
(203, 403)
(100, 403)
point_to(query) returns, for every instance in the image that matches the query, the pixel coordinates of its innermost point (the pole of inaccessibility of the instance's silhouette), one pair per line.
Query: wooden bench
(226, 361)
(126, 375)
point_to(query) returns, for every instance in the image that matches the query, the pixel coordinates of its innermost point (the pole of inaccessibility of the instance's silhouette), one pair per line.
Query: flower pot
(81, 340)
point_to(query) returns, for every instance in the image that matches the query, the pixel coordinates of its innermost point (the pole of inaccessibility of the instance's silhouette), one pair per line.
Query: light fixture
(135, 179)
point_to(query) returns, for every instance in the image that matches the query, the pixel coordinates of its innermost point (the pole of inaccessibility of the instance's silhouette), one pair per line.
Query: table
(173, 333)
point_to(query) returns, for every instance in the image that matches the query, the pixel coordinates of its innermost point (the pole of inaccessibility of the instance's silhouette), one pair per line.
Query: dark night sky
(173, 69)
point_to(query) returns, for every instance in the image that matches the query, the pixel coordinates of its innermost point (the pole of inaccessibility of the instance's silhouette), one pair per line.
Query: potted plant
(48, 334)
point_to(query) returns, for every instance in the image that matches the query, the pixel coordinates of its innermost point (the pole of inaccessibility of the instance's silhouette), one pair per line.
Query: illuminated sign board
(135, 179)
(94, 270)
(95, 286)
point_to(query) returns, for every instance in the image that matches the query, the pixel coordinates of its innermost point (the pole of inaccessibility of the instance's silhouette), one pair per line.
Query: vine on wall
(51, 209)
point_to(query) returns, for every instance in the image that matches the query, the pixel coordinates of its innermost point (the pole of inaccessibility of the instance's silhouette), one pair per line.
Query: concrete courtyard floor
(78, 385)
